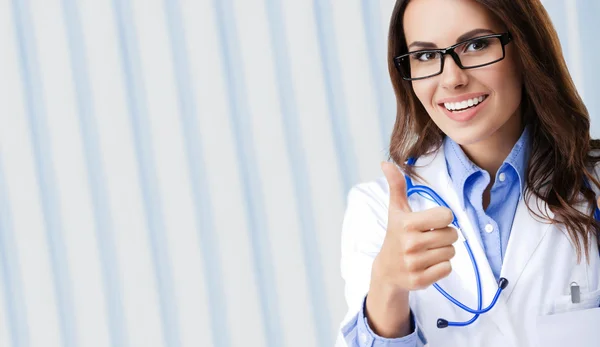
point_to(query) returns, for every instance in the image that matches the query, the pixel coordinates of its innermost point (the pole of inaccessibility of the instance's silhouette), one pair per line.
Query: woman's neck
(489, 154)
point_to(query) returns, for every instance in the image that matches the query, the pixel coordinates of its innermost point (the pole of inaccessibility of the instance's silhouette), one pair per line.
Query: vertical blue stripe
(252, 193)
(36, 113)
(297, 159)
(376, 52)
(136, 101)
(9, 270)
(200, 189)
(96, 178)
(589, 26)
(335, 94)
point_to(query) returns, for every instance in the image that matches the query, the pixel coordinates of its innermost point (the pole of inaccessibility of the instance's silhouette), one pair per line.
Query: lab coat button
(489, 228)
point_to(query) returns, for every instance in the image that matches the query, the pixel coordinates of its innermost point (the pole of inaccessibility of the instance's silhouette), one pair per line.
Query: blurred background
(174, 173)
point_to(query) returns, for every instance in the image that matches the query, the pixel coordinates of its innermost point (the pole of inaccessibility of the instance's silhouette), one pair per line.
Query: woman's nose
(453, 76)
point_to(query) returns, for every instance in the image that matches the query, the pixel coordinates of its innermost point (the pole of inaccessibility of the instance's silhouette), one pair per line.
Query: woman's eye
(426, 56)
(477, 45)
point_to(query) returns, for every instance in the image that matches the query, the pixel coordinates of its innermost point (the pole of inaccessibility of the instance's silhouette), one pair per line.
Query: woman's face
(441, 23)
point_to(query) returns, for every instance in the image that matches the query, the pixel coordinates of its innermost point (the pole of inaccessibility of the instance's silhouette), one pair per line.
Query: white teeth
(453, 106)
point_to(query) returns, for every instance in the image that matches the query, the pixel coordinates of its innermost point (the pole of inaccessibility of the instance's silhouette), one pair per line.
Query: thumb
(397, 184)
(598, 202)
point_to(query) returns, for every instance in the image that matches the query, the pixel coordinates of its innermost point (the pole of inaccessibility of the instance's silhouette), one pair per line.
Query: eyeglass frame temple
(505, 38)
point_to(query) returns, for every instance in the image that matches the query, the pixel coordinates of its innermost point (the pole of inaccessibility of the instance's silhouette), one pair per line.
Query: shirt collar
(460, 167)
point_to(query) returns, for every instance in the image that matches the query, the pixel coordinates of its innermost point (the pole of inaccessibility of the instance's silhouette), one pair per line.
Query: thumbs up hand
(416, 253)
(417, 248)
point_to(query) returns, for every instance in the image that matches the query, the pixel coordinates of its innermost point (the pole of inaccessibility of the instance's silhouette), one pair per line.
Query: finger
(598, 202)
(397, 184)
(423, 260)
(440, 237)
(433, 239)
(435, 273)
(433, 218)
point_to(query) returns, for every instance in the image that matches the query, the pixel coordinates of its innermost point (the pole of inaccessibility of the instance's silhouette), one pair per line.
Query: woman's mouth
(464, 105)
(465, 110)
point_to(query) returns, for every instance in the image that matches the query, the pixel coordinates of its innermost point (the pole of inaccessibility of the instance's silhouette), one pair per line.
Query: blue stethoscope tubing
(430, 194)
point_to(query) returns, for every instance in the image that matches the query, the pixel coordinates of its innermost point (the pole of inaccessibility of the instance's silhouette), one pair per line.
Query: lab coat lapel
(526, 234)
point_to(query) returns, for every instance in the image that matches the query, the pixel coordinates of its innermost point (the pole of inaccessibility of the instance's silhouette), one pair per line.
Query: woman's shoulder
(365, 221)
(376, 192)
(367, 211)
(373, 192)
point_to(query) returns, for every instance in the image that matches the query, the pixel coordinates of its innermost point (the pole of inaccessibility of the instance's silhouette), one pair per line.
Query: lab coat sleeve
(363, 231)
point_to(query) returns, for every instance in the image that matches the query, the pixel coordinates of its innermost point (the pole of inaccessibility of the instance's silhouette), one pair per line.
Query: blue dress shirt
(494, 223)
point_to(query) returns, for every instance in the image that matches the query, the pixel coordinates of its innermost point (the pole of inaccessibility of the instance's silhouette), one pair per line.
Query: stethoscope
(430, 194)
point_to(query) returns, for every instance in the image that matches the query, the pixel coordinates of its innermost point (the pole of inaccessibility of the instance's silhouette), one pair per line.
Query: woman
(492, 120)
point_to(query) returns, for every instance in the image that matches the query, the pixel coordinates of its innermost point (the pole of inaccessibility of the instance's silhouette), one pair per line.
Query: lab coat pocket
(587, 300)
(577, 328)
(569, 323)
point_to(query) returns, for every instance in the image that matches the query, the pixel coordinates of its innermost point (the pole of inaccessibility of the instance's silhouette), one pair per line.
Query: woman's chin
(465, 137)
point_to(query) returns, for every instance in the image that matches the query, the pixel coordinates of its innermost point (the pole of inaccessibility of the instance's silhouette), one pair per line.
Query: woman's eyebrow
(463, 37)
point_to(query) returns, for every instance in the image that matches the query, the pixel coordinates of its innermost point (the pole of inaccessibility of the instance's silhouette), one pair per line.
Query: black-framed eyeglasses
(469, 54)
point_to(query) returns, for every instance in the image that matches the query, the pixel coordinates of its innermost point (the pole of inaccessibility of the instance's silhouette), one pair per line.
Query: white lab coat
(540, 264)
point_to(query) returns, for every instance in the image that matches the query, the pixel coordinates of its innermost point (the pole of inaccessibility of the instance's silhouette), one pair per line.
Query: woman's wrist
(387, 310)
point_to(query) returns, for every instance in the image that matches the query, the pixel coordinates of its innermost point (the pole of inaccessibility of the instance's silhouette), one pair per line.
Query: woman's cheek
(425, 92)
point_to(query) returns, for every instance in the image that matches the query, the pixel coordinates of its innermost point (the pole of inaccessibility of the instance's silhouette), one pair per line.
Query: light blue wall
(577, 25)
(174, 173)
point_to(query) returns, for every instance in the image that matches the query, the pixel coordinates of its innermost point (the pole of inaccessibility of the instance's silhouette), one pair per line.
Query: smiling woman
(497, 72)
(493, 127)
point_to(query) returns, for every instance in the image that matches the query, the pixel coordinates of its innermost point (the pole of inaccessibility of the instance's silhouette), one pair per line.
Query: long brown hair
(560, 158)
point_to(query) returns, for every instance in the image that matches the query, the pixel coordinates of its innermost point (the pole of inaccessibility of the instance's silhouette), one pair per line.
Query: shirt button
(363, 338)
(502, 177)
(489, 228)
